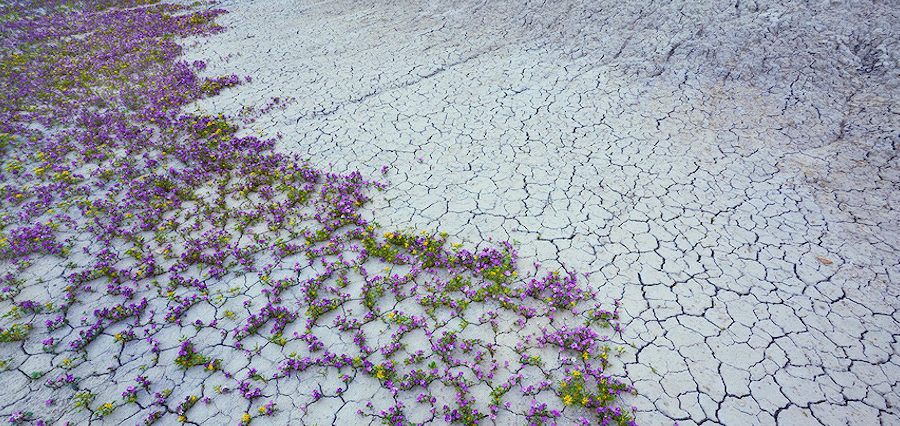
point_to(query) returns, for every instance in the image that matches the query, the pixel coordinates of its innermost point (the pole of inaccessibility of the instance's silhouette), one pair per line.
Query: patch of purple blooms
(166, 210)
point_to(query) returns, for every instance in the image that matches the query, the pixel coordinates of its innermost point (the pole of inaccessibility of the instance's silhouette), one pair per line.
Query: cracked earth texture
(728, 170)
(109, 183)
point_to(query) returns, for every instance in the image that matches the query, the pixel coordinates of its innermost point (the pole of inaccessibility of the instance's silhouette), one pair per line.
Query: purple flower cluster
(25, 240)
(189, 357)
(281, 316)
(61, 381)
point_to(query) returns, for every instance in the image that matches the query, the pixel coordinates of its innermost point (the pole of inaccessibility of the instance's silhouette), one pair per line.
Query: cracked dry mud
(728, 169)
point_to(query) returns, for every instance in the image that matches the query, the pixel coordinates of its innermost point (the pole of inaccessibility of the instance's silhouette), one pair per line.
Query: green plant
(15, 332)
(83, 400)
(105, 409)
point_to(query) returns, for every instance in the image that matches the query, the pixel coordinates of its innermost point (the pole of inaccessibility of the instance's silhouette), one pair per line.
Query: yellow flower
(567, 399)
(245, 418)
(584, 401)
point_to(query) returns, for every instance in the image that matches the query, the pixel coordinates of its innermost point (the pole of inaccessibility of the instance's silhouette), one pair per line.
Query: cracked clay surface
(728, 170)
